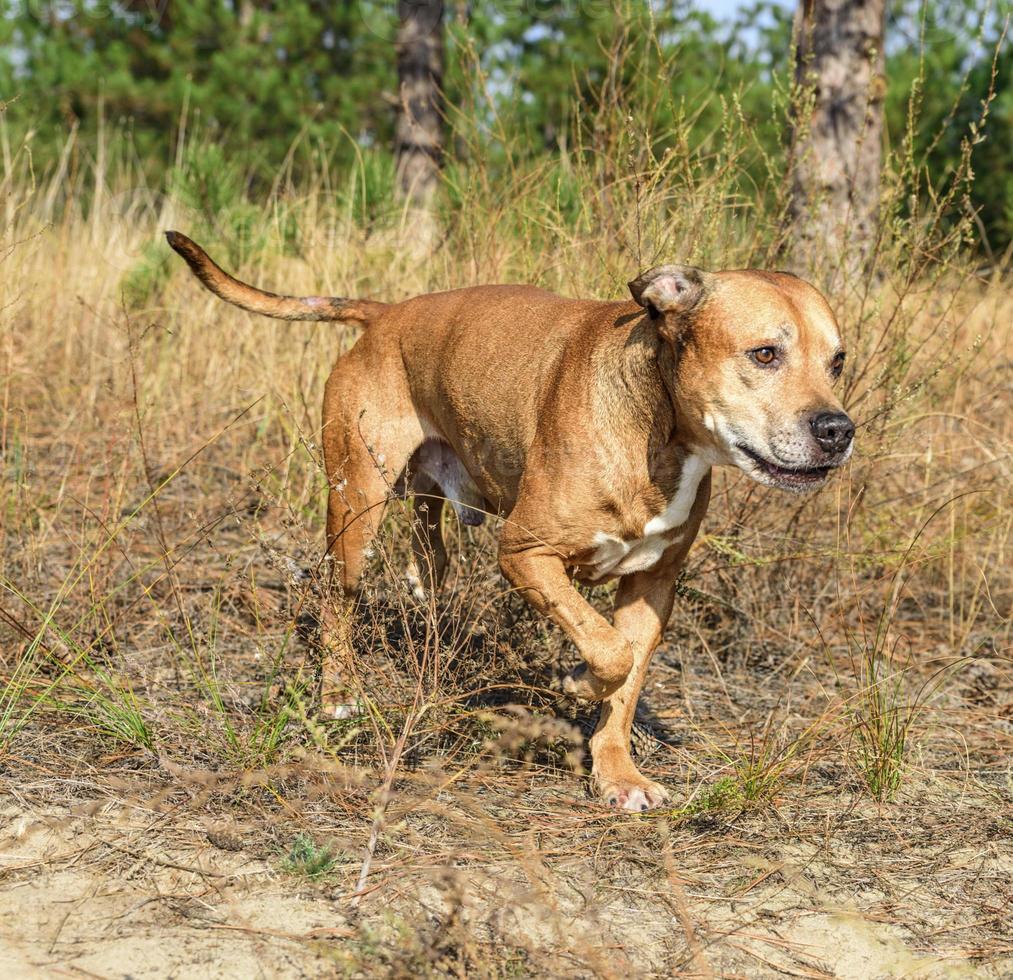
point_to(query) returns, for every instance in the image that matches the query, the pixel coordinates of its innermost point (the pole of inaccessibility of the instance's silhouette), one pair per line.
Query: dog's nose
(832, 430)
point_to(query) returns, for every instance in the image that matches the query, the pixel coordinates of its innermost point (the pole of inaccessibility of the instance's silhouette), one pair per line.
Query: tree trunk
(418, 137)
(836, 151)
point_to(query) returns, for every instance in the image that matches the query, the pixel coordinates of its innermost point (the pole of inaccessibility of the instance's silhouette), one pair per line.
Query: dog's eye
(837, 364)
(764, 356)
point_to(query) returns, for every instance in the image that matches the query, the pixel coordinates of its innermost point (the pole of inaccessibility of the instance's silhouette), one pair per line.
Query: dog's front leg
(541, 577)
(643, 605)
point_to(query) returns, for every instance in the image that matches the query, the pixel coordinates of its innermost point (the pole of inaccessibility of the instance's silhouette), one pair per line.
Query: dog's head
(757, 354)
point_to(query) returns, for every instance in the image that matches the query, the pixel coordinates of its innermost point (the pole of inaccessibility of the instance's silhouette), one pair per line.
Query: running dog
(590, 426)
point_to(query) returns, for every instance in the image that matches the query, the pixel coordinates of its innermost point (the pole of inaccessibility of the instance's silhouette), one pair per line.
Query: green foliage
(212, 187)
(97, 696)
(258, 79)
(942, 55)
(306, 857)
(270, 91)
(365, 191)
(725, 793)
(147, 276)
(882, 732)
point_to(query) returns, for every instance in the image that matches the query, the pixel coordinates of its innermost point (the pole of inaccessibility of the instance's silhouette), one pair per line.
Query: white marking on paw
(637, 801)
(415, 584)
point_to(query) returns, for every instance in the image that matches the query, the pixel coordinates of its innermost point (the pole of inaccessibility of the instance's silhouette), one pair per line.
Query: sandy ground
(119, 891)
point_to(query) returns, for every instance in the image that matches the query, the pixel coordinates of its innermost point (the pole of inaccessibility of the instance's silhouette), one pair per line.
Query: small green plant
(82, 687)
(884, 709)
(16, 705)
(737, 792)
(725, 794)
(882, 725)
(106, 705)
(306, 857)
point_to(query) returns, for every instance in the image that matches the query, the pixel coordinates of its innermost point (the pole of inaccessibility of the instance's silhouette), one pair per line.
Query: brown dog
(590, 426)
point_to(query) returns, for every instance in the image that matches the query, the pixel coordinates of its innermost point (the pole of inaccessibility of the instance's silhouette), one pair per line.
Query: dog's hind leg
(429, 564)
(366, 447)
(437, 478)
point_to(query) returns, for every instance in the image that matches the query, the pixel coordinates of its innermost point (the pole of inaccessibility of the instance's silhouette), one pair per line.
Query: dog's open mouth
(786, 476)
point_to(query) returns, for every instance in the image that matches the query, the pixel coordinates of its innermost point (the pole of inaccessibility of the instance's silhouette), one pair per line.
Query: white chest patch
(694, 469)
(614, 556)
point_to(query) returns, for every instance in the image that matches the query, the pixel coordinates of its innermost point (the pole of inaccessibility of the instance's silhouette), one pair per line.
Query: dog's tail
(256, 300)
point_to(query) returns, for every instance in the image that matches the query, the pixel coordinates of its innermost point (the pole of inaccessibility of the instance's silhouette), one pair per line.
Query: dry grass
(832, 701)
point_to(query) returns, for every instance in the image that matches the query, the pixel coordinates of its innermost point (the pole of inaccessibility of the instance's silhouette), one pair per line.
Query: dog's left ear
(669, 290)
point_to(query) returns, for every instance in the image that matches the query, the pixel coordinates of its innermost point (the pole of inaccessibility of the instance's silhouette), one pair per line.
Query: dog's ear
(669, 289)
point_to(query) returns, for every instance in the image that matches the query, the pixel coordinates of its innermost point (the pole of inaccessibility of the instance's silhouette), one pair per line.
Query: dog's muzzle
(797, 478)
(833, 432)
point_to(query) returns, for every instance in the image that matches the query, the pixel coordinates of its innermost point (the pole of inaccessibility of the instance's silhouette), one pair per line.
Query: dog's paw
(581, 683)
(414, 582)
(632, 795)
(342, 712)
(336, 706)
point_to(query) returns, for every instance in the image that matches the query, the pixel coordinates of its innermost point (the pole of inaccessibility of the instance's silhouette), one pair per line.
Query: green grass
(309, 859)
